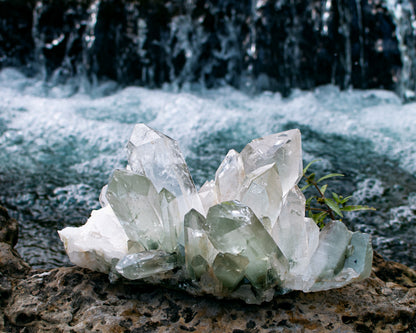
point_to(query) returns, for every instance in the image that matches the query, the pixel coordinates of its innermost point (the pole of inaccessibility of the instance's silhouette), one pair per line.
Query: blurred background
(76, 75)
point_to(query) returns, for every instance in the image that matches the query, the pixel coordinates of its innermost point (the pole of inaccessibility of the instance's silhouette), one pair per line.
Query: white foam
(98, 127)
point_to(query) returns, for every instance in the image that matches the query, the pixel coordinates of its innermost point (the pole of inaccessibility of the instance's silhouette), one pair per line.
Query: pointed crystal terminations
(208, 194)
(199, 252)
(134, 200)
(284, 149)
(243, 235)
(233, 228)
(296, 237)
(158, 157)
(229, 177)
(262, 192)
(341, 258)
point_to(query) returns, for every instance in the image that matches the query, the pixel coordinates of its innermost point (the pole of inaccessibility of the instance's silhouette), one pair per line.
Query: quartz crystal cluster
(243, 235)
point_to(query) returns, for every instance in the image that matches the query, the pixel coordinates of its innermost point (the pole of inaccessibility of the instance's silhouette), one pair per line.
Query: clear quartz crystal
(329, 257)
(233, 228)
(356, 265)
(145, 264)
(243, 235)
(262, 192)
(284, 149)
(208, 195)
(159, 158)
(229, 177)
(230, 268)
(361, 257)
(135, 202)
(172, 231)
(199, 252)
(296, 237)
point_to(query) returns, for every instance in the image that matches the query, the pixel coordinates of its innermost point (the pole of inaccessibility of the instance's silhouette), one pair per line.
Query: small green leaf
(308, 201)
(334, 206)
(309, 164)
(323, 188)
(319, 218)
(305, 187)
(353, 208)
(330, 176)
(343, 201)
(336, 197)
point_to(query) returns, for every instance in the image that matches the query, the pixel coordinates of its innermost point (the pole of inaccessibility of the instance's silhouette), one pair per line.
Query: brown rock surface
(12, 266)
(8, 228)
(72, 299)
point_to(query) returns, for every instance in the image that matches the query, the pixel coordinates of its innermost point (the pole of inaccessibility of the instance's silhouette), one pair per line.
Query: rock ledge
(72, 299)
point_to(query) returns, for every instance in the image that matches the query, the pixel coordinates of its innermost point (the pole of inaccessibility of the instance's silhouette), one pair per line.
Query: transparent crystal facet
(172, 230)
(262, 192)
(362, 255)
(144, 264)
(197, 245)
(230, 268)
(159, 158)
(135, 202)
(296, 237)
(284, 149)
(329, 257)
(208, 195)
(232, 227)
(229, 177)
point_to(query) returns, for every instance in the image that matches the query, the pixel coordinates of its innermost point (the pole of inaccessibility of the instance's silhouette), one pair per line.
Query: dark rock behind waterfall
(252, 45)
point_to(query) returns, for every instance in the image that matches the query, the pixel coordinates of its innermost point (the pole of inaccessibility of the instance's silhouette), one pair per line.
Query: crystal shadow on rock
(244, 235)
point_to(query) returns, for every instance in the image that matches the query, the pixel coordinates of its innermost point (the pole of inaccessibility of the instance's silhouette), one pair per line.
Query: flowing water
(57, 149)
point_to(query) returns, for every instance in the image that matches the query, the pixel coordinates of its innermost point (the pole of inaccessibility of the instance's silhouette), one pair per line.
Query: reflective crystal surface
(284, 149)
(229, 177)
(144, 264)
(208, 195)
(296, 237)
(230, 268)
(199, 251)
(232, 227)
(159, 158)
(243, 235)
(135, 202)
(262, 192)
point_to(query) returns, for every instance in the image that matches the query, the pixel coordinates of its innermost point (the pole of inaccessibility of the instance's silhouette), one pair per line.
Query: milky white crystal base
(95, 244)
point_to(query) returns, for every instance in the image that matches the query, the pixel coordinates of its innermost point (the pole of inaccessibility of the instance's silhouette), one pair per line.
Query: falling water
(263, 44)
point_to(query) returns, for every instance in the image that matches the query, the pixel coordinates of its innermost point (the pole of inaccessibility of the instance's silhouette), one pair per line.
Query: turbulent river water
(57, 149)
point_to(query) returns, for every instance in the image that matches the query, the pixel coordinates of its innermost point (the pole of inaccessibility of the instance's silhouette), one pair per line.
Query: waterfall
(253, 45)
(403, 13)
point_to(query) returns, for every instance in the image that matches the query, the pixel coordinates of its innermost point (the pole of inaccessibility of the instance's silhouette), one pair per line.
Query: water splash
(56, 152)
